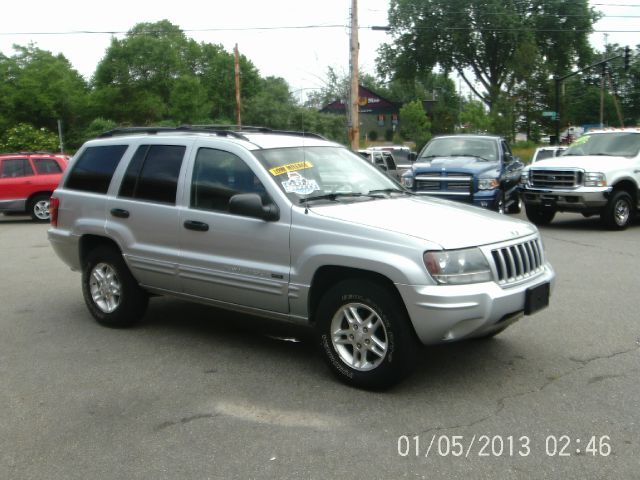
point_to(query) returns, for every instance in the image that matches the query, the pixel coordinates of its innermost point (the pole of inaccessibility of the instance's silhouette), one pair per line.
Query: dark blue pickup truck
(476, 169)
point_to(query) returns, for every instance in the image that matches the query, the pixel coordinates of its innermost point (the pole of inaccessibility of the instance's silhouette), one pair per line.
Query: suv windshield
(324, 172)
(483, 148)
(616, 144)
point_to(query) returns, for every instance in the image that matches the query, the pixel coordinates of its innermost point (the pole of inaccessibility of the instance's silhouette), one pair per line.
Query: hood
(448, 224)
(589, 163)
(471, 165)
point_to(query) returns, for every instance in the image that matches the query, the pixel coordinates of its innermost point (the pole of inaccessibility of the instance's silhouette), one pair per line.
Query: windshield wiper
(330, 196)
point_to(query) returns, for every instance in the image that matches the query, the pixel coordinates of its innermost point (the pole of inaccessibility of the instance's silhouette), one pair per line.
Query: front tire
(110, 292)
(618, 211)
(39, 208)
(365, 334)
(516, 205)
(540, 215)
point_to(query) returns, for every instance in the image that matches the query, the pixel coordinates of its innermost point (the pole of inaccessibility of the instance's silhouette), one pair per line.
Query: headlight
(488, 183)
(594, 179)
(407, 182)
(457, 267)
(524, 177)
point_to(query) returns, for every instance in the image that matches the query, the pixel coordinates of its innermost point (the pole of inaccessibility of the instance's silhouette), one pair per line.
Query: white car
(547, 152)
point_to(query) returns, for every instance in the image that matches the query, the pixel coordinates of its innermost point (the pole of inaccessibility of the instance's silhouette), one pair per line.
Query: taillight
(54, 204)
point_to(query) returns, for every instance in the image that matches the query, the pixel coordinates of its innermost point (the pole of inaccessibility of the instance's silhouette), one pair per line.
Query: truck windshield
(615, 144)
(482, 148)
(326, 173)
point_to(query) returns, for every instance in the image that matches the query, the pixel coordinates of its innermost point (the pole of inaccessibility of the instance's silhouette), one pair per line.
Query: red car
(27, 180)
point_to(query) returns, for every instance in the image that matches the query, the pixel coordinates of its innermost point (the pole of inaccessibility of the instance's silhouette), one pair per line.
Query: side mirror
(250, 205)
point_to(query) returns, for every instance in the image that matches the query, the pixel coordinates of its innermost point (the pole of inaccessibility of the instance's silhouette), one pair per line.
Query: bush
(373, 135)
(26, 137)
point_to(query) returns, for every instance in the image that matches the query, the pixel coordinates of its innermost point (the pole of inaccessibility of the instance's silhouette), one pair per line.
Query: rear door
(228, 258)
(16, 179)
(143, 216)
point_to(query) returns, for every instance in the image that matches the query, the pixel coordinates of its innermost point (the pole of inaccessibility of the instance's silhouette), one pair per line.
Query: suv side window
(16, 167)
(45, 166)
(153, 173)
(94, 169)
(391, 165)
(217, 176)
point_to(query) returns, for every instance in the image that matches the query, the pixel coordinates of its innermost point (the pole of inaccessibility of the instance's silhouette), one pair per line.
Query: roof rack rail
(223, 130)
(156, 130)
(31, 152)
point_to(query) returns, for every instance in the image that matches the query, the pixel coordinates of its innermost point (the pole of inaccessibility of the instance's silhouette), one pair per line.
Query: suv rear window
(94, 169)
(153, 173)
(16, 167)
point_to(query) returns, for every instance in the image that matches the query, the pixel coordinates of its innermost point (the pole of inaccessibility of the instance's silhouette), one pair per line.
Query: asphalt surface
(195, 392)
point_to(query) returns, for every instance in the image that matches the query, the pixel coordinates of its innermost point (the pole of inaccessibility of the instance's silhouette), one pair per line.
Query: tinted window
(94, 169)
(47, 165)
(217, 176)
(16, 167)
(153, 173)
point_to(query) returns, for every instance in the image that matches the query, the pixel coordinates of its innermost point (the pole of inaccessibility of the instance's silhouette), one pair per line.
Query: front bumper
(441, 313)
(579, 199)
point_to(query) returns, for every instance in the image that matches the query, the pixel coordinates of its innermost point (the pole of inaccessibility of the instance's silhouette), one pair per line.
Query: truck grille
(543, 178)
(445, 181)
(517, 262)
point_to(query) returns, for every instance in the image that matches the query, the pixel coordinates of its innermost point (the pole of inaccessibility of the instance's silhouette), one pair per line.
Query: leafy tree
(156, 73)
(26, 137)
(474, 117)
(39, 89)
(414, 124)
(484, 37)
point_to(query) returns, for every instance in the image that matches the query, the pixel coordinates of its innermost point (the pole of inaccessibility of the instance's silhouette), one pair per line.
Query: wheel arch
(90, 242)
(628, 186)
(329, 275)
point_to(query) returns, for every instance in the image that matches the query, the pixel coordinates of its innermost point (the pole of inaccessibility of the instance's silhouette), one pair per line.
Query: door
(231, 258)
(16, 179)
(143, 217)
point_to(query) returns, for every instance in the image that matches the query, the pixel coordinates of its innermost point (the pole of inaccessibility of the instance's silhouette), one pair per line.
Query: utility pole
(354, 117)
(237, 74)
(604, 68)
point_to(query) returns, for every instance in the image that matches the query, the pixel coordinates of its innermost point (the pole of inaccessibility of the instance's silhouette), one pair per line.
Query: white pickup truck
(598, 175)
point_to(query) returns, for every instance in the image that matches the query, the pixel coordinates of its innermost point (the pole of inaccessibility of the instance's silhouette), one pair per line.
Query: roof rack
(31, 152)
(222, 130)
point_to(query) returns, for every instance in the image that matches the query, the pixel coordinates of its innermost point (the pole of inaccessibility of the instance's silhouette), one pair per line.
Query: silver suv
(292, 227)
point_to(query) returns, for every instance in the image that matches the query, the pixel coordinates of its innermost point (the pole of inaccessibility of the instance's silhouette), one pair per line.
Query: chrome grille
(517, 262)
(543, 178)
(445, 181)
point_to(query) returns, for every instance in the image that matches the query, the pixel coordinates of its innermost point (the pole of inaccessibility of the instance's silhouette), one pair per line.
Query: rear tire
(39, 208)
(112, 295)
(540, 215)
(365, 334)
(618, 211)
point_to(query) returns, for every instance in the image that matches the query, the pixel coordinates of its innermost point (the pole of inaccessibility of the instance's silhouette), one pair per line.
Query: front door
(230, 258)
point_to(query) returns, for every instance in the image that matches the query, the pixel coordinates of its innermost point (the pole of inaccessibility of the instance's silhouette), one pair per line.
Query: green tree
(484, 37)
(39, 89)
(474, 117)
(414, 124)
(26, 137)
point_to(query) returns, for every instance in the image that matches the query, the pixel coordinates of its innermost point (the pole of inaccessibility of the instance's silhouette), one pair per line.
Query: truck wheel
(112, 295)
(365, 334)
(39, 207)
(516, 205)
(617, 213)
(540, 215)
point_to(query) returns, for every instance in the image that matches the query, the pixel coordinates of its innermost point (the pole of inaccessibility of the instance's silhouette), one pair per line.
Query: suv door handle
(197, 226)
(120, 213)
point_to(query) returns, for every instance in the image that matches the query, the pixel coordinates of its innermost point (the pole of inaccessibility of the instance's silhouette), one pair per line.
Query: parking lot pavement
(195, 392)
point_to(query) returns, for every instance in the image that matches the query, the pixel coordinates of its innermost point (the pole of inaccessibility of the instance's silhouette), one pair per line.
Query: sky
(301, 56)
